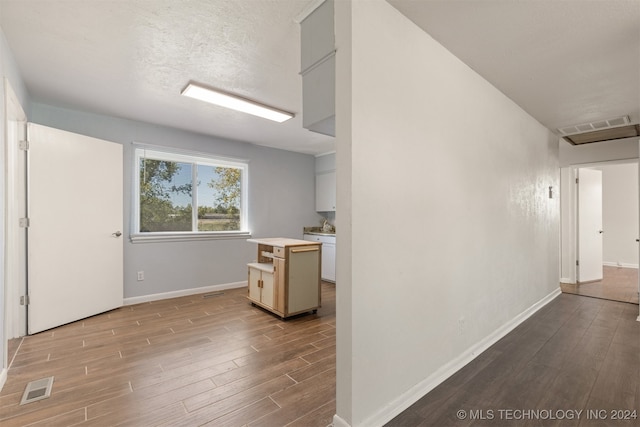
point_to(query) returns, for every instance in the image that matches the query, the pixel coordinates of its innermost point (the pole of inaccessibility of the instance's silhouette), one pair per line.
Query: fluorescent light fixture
(234, 102)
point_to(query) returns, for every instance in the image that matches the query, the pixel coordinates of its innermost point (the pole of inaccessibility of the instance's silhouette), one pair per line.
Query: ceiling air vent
(602, 130)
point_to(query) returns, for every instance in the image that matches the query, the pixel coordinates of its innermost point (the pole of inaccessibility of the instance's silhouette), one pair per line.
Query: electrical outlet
(140, 276)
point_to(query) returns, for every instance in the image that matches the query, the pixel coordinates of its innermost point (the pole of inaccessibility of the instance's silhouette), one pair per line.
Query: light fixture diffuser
(234, 102)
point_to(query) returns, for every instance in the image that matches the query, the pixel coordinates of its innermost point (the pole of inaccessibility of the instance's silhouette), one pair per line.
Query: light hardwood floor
(617, 284)
(185, 361)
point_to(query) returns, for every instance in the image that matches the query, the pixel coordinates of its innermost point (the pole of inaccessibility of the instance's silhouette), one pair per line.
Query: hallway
(576, 362)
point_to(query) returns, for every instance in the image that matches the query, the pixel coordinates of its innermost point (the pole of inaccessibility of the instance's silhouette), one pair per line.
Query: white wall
(175, 266)
(447, 234)
(620, 214)
(597, 152)
(344, 217)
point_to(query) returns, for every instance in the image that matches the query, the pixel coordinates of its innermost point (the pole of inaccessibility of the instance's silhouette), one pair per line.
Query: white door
(589, 225)
(75, 262)
(16, 236)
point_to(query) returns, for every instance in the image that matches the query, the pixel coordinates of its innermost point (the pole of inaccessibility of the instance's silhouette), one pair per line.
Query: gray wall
(281, 202)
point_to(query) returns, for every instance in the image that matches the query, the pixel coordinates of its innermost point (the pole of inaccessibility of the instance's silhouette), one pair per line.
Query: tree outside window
(170, 185)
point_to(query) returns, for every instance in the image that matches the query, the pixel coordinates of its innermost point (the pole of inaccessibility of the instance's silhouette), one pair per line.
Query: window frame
(141, 151)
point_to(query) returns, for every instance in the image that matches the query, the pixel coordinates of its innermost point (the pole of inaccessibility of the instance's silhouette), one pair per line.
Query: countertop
(319, 231)
(281, 242)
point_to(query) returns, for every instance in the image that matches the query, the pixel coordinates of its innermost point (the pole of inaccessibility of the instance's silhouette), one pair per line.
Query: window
(179, 195)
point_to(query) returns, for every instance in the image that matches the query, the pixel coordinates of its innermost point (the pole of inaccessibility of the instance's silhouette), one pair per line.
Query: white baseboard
(339, 422)
(408, 398)
(619, 264)
(183, 292)
(3, 377)
(567, 281)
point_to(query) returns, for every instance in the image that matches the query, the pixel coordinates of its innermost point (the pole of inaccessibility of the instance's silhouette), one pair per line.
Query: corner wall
(10, 72)
(451, 234)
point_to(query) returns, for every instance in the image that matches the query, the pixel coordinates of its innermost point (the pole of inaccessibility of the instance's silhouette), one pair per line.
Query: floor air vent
(37, 390)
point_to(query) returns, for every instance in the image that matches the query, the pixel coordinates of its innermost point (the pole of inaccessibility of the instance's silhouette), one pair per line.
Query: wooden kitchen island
(285, 279)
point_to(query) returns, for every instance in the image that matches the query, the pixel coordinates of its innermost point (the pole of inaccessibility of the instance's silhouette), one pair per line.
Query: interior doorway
(617, 284)
(619, 231)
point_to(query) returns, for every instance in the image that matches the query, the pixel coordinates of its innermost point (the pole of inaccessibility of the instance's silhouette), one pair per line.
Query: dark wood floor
(186, 361)
(617, 284)
(575, 354)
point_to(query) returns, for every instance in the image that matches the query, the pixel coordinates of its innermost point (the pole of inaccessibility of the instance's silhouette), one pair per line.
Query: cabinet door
(326, 192)
(254, 284)
(329, 262)
(268, 294)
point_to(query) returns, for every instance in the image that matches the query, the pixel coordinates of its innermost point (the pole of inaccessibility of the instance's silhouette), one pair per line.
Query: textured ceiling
(132, 58)
(564, 61)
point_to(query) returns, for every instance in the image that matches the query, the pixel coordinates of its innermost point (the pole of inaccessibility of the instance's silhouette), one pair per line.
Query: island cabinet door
(254, 283)
(279, 276)
(268, 293)
(304, 279)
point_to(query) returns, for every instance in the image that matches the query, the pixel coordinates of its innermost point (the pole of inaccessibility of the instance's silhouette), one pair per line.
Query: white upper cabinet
(317, 36)
(326, 191)
(317, 67)
(326, 183)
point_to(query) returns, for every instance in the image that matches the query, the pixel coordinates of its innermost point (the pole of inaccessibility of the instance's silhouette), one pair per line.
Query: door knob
(600, 231)
(637, 240)
(116, 234)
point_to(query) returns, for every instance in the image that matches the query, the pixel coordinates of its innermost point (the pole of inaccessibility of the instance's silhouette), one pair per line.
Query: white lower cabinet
(328, 268)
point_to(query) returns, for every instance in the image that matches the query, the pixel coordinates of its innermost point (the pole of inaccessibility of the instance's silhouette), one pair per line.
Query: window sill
(187, 237)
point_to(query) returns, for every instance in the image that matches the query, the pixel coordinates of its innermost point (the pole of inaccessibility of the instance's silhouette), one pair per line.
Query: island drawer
(278, 252)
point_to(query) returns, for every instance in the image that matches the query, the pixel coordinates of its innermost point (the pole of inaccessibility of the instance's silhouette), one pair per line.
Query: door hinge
(577, 262)
(577, 181)
(23, 145)
(24, 300)
(24, 222)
